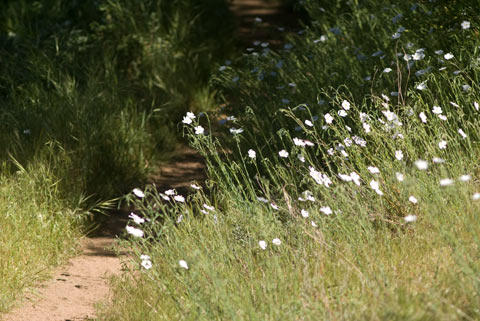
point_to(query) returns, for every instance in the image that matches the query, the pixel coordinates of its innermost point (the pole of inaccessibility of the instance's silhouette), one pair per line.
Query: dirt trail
(75, 288)
(262, 20)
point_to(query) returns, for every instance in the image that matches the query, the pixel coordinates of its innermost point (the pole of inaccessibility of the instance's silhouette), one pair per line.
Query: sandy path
(74, 288)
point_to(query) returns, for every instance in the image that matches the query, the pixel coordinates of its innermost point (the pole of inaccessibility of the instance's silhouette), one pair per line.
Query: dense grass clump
(343, 179)
(38, 229)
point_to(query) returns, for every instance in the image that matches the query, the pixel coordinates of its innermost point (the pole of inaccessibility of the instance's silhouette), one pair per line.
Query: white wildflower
(147, 264)
(437, 110)
(276, 241)
(399, 155)
(345, 178)
(465, 24)
(262, 244)
(187, 120)
(137, 219)
(421, 164)
(199, 130)
(399, 176)
(421, 86)
(355, 178)
(326, 210)
(304, 213)
(183, 264)
(376, 187)
(134, 231)
(373, 170)
(236, 131)
(319, 177)
(345, 105)
(446, 182)
(179, 198)
(366, 127)
(423, 117)
(138, 192)
(208, 207)
(448, 56)
(328, 118)
(283, 153)
(410, 218)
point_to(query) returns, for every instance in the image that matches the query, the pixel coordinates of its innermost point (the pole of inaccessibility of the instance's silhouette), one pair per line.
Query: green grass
(39, 229)
(380, 255)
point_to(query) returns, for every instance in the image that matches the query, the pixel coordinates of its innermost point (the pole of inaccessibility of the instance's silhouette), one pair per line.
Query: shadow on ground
(183, 169)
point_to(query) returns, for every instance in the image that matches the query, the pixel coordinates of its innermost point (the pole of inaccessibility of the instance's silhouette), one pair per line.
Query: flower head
(304, 213)
(326, 210)
(410, 218)
(183, 264)
(376, 187)
(134, 231)
(399, 155)
(262, 244)
(199, 130)
(399, 176)
(465, 24)
(421, 164)
(328, 118)
(138, 192)
(283, 153)
(137, 219)
(448, 56)
(446, 182)
(147, 264)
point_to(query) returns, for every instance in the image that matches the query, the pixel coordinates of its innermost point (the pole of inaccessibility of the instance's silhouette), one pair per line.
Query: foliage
(343, 185)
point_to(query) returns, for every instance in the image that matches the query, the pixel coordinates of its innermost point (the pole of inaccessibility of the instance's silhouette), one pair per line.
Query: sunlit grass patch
(38, 228)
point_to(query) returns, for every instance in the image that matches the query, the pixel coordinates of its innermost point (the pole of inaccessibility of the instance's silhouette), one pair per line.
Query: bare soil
(74, 289)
